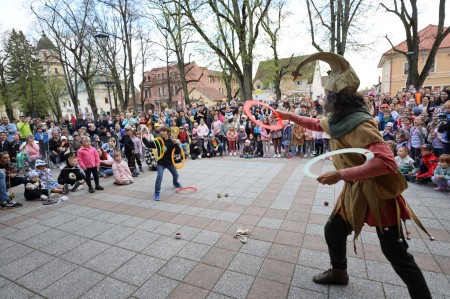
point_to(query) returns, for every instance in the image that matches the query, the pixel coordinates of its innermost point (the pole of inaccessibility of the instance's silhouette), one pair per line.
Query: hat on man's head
(63, 138)
(75, 134)
(342, 79)
(156, 125)
(40, 162)
(384, 106)
(390, 124)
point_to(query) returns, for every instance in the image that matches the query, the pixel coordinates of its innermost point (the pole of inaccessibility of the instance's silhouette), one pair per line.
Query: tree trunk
(248, 83)
(91, 100)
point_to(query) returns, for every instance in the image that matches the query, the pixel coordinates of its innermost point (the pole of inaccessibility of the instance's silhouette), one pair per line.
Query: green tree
(25, 75)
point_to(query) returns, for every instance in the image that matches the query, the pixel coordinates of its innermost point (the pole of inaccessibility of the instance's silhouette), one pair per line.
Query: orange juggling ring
(182, 161)
(249, 104)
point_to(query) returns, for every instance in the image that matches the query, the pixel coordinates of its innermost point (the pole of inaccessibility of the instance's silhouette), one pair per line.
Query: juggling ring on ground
(182, 161)
(307, 168)
(189, 188)
(247, 111)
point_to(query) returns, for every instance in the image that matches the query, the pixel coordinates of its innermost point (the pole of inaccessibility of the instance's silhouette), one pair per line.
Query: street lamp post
(105, 36)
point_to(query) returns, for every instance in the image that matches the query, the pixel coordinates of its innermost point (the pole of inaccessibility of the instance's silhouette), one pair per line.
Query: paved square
(119, 243)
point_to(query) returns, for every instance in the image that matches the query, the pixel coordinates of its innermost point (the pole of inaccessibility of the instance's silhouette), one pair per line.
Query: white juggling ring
(307, 168)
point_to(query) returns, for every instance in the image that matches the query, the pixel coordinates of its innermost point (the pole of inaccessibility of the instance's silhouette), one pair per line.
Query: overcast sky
(296, 39)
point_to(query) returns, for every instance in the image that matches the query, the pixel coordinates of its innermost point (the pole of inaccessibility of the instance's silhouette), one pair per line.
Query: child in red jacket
(428, 164)
(89, 161)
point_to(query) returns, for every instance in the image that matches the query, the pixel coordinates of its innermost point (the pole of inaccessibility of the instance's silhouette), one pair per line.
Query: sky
(296, 39)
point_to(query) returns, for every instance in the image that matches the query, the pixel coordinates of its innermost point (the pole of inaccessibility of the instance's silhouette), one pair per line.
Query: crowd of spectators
(415, 123)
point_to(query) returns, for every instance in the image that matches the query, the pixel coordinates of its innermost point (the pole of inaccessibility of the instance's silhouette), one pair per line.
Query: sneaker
(10, 204)
(235, 154)
(91, 190)
(105, 175)
(98, 187)
(231, 154)
(157, 197)
(199, 156)
(439, 188)
(279, 156)
(178, 185)
(135, 174)
(65, 189)
(75, 186)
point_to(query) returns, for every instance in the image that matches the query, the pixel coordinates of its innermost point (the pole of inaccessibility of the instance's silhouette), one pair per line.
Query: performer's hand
(329, 178)
(284, 114)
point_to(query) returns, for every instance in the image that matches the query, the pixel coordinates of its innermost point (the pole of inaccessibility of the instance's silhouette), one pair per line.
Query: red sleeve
(383, 163)
(307, 122)
(430, 171)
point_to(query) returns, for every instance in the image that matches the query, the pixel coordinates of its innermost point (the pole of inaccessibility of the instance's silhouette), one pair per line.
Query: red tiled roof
(426, 38)
(210, 93)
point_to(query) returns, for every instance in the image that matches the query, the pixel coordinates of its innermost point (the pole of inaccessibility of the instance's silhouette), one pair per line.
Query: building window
(163, 91)
(56, 71)
(258, 86)
(299, 82)
(147, 93)
(405, 68)
(106, 101)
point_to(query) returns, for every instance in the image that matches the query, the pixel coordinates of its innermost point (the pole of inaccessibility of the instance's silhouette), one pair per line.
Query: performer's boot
(332, 276)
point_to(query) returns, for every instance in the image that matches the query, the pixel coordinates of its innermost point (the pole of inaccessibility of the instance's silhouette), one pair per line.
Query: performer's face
(327, 105)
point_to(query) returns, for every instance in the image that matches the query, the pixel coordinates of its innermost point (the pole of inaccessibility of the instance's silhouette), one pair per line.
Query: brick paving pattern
(119, 243)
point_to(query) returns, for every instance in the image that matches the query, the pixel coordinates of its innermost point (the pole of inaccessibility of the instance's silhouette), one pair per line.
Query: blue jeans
(107, 171)
(3, 194)
(159, 176)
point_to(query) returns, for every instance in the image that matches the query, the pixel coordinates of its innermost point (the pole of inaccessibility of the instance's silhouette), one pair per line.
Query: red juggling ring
(249, 104)
(189, 188)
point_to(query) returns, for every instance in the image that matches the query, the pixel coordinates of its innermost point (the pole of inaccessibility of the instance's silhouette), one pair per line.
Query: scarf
(344, 122)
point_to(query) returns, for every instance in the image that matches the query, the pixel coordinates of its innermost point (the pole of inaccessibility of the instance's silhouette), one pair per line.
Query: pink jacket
(88, 157)
(33, 150)
(121, 171)
(265, 135)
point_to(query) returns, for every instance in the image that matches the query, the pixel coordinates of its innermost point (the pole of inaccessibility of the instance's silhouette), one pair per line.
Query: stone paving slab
(119, 243)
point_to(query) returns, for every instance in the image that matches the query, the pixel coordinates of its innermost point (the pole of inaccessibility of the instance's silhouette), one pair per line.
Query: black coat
(166, 159)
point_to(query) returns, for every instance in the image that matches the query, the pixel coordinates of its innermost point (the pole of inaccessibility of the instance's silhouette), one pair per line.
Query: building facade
(309, 85)
(394, 65)
(202, 83)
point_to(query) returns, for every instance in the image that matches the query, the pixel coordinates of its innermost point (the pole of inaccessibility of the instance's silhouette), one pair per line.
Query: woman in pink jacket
(90, 162)
(120, 169)
(32, 149)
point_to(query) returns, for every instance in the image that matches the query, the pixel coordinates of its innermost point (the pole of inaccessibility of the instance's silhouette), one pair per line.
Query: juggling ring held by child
(159, 142)
(307, 168)
(250, 103)
(183, 160)
(144, 134)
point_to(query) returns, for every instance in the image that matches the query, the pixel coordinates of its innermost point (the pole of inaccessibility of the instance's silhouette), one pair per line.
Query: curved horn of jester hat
(343, 78)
